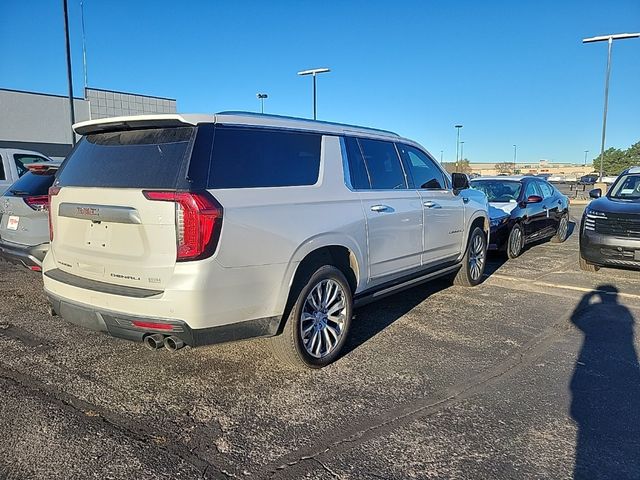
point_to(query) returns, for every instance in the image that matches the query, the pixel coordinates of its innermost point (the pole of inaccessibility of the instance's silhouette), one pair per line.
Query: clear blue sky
(510, 72)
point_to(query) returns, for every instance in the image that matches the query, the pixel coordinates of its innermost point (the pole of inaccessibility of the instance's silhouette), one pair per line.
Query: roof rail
(322, 122)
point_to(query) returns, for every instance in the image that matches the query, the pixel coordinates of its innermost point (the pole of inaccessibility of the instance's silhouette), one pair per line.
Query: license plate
(12, 222)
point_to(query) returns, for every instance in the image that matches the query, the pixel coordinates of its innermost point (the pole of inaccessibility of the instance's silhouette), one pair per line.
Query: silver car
(24, 216)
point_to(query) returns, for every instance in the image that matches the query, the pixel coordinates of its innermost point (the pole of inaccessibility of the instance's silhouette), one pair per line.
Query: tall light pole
(458, 127)
(515, 157)
(84, 47)
(261, 97)
(441, 156)
(314, 72)
(461, 151)
(69, 79)
(609, 39)
(585, 157)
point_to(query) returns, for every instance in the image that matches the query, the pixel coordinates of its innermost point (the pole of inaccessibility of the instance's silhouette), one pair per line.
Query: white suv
(199, 229)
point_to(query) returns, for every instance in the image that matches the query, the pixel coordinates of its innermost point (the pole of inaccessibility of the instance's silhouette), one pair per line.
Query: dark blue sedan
(523, 210)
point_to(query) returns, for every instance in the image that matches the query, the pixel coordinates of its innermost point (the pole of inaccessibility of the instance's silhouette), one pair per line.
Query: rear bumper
(609, 250)
(120, 325)
(26, 255)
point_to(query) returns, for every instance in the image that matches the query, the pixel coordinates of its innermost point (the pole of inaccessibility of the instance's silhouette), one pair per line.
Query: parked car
(13, 165)
(544, 176)
(610, 229)
(608, 179)
(165, 232)
(556, 179)
(523, 210)
(588, 179)
(24, 216)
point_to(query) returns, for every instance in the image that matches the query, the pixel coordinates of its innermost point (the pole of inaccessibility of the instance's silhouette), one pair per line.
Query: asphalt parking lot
(533, 374)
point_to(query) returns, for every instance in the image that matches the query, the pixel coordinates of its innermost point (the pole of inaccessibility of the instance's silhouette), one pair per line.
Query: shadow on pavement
(605, 389)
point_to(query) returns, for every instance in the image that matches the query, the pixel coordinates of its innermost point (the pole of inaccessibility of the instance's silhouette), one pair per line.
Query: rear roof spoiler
(42, 167)
(138, 121)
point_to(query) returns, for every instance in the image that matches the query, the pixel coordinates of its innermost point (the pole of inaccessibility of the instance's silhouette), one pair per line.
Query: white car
(198, 229)
(13, 163)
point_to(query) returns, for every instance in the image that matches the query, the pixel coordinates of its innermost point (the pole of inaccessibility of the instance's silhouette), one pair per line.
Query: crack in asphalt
(295, 464)
(89, 413)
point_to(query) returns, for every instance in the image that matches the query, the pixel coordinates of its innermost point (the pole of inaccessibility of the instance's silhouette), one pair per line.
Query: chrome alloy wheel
(515, 242)
(477, 257)
(323, 318)
(563, 228)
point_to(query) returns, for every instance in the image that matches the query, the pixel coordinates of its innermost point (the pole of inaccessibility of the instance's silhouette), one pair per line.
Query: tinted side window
(547, 190)
(423, 170)
(383, 164)
(530, 189)
(357, 169)
(249, 158)
(2, 175)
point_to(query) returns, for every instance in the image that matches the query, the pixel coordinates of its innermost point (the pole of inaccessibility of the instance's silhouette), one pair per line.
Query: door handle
(380, 208)
(430, 204)
(465, 199)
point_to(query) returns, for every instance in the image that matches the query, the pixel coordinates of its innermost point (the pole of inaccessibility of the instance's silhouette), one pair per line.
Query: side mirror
(595, 193)
(460, 181)
(534, 199)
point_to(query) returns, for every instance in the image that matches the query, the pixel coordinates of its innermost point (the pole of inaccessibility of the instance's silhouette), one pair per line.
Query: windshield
(498, 190)
(626, 188)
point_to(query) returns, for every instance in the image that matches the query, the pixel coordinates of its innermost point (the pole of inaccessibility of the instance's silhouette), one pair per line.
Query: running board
(368, 297)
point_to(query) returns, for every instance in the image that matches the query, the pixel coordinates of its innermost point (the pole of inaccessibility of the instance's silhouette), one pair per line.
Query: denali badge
(125, 277)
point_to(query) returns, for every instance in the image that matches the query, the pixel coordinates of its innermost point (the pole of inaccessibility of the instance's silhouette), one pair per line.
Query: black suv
(610, 229)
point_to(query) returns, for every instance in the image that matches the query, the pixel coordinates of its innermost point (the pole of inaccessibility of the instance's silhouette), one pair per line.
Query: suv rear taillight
(53, 191)
(38, 203)
(198, 222)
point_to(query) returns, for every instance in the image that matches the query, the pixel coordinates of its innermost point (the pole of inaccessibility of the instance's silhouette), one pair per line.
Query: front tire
(515, 242)
(318, 322)
(474, 260)
(563, 229)
(587, 266)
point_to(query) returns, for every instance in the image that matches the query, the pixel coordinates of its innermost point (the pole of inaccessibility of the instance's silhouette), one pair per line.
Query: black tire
(563, 229)
(465, 276)
(515, 242)
(587, 266)
(289, 347)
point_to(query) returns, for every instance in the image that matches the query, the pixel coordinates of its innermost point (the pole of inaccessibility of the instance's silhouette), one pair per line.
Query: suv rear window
(149, 158)
(251, 157)
(31, 184)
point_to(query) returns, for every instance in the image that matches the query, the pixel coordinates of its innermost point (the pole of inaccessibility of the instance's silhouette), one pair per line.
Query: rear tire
(586, 266)
(515, 242)
(563, 229)
(318, 322)
(474, 260)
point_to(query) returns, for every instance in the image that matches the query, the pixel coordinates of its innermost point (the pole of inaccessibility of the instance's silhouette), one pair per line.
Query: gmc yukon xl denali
(199, 229)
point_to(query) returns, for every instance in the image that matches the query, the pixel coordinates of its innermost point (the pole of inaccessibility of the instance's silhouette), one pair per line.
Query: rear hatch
(127, 205)
(24, 206)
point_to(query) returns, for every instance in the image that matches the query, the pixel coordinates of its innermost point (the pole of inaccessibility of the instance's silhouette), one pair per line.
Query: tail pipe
(173, 344)
(154, 342)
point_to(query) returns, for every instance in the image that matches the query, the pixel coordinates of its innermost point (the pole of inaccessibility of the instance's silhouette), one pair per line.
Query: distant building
(40, 121)
(543, 166)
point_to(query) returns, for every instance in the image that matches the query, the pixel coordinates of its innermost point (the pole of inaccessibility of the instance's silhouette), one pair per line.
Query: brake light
(152, 325)
(53, 191)
(38, 202)
(198, 222)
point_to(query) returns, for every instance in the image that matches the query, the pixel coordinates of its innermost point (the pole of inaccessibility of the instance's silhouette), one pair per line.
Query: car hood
(605, 204)
(500, 209)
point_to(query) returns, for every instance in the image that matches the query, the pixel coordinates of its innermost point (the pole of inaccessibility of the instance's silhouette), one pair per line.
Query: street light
(458, 127)
(314, 72)
(441, 155)
(69, 79)
(515, 157)
(261, 97)
(461, 151)
(609, 39)
(585, 157)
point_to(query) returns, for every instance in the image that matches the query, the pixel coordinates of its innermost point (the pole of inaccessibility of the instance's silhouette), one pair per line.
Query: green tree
(616, 160)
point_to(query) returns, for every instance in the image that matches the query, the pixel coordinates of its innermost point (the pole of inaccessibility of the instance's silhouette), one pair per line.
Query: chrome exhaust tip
(154, 342)
(173, 343)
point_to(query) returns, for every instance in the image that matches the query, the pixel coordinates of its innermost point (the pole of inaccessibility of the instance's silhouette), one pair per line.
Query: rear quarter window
(251, 157)
(31, 184)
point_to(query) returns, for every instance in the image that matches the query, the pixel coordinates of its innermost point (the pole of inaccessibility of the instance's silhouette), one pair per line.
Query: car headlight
(499, 221)
(595, 213)
(590, 217)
